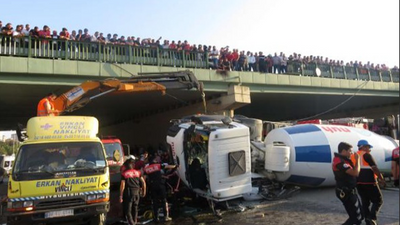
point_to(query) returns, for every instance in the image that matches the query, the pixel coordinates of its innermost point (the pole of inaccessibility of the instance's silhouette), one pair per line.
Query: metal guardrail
(342, 72)
(117, 53)
(96, 51)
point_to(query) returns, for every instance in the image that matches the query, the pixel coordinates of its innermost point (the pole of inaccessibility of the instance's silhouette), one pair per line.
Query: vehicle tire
(98, 220)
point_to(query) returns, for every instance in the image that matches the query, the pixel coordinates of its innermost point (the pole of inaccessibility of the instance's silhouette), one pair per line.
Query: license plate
(61, 213)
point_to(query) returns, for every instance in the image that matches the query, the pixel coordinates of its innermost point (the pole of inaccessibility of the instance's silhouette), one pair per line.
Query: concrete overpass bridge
(27, 73)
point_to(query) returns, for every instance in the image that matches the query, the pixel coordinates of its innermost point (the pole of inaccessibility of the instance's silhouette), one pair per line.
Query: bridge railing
(150, 55)
(341, 72)
(96, 51)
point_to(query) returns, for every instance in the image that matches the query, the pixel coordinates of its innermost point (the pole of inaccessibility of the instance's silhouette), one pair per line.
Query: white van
(6, 162)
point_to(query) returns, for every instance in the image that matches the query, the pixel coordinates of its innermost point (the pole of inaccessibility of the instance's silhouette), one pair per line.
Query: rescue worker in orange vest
(395, 166)
(346, 173)
(156, 181)
(132, 186)
(367, 185)
(46, 107)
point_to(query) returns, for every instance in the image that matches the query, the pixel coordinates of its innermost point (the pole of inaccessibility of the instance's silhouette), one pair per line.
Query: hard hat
(363, 143)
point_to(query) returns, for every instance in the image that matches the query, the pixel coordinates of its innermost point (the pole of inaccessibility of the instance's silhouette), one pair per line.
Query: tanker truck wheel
(98, 220)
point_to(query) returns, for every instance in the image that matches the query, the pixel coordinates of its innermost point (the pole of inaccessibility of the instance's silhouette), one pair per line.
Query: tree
(5, 149)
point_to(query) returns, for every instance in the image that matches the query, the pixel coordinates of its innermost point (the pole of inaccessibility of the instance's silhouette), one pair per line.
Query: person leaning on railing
(65, 36)
(7, 30)
(189, 53)
(6, 33)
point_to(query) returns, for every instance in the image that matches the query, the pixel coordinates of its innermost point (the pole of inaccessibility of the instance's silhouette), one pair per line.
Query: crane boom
(80, 95)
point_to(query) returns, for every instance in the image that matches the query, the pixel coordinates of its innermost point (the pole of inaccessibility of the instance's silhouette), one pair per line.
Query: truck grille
(62, 203)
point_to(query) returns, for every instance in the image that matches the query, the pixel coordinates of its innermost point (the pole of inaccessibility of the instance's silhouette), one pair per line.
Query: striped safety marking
(310, 150)
(388, 155)
(42, 197)
(319, 153)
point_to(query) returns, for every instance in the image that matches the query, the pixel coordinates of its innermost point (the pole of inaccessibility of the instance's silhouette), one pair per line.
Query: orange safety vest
(367, 175)
(41, 108)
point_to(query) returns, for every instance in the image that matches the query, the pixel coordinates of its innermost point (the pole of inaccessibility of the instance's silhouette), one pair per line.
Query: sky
(349, 30)
(7, 134)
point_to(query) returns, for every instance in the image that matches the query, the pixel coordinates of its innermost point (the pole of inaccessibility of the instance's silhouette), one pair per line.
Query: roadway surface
(308, 206)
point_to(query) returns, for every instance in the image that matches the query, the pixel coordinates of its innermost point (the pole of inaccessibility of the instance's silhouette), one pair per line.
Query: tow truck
(115, 156)
(61, 173)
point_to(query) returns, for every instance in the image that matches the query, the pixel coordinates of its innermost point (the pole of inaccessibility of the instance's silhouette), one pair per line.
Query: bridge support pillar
(237, 96)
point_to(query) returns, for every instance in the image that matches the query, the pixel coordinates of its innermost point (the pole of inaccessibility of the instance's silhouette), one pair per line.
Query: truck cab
(213, 155)
(60, 173)
(115, 157)
(6, 162)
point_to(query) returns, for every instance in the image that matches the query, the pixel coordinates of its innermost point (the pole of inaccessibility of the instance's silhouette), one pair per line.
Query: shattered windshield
(50, 159)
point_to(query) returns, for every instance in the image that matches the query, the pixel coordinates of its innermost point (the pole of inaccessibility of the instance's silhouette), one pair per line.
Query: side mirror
(21, 132)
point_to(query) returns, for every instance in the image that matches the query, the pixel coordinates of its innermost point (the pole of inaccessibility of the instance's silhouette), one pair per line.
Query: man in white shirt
(214, 57)
(252, 61)
(25, 32)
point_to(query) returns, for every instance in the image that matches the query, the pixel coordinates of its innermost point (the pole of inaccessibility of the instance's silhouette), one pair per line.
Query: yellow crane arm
(80, 95)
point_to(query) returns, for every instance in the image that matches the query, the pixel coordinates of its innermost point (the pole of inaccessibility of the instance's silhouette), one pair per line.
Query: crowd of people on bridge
(219, 58)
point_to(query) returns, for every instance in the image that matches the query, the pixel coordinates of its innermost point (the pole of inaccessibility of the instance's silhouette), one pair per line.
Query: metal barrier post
(158, 57)
(206, 60)
(183, 59)
(66, 49)
(29, 47)
(331, 70)
(369, 75)
(98, 51)
(357, 74)
(344, 72)
(130, 54)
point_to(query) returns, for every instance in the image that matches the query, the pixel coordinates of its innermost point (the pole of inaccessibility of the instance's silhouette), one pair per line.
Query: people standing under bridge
(130, 160)
(156, 182)
(367, 185)
(46, 107)
(132, 187)
(346, 173)
(395, 166)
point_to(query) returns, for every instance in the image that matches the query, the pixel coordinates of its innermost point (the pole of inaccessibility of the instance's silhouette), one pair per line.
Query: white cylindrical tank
(312, 149)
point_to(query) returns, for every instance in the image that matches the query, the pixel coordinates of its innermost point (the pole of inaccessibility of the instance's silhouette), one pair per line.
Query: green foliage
(6, 149)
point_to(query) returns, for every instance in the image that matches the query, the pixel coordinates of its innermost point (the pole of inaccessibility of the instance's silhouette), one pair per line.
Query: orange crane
(80, 95)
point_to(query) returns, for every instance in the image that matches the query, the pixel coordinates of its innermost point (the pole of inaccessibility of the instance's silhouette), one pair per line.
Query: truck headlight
(91, 197)
(20, 206)
(28, 204)
(100, 196)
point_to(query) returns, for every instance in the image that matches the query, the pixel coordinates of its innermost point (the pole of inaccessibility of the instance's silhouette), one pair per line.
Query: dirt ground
(308, 206)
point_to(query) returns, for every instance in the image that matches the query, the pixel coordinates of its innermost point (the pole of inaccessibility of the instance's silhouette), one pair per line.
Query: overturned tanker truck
(232, 155)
